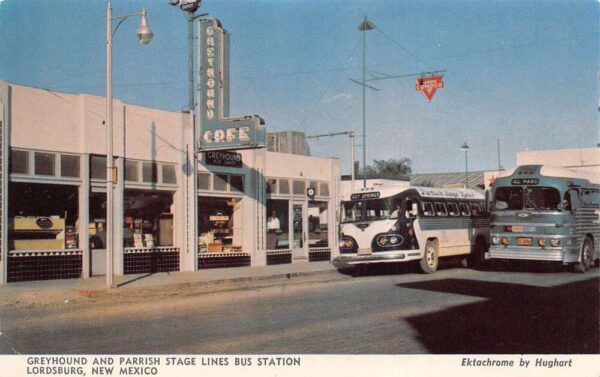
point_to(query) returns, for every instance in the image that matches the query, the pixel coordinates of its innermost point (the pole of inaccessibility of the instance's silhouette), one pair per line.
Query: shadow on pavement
(379, 269)
(515, 318)
(133, 280)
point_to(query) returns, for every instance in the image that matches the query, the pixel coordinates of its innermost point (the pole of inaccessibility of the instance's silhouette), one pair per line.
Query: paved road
(457, 310)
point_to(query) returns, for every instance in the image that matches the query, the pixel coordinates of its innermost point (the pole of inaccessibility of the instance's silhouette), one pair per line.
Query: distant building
(449, 180)
(583, 159)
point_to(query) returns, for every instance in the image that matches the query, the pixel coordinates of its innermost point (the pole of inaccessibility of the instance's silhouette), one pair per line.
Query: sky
(523, 75)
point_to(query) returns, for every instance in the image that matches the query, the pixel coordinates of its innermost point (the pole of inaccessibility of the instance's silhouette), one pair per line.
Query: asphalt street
(531, 310)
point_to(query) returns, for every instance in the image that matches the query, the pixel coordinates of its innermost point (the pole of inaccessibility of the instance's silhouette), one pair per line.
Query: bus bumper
(534, 253)
(350, 260)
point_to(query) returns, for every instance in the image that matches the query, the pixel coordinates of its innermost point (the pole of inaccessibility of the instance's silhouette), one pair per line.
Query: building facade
(250, 207)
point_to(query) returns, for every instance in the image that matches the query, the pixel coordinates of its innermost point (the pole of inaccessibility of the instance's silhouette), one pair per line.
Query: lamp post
(144, 36)
(465, 147)
(364, 27)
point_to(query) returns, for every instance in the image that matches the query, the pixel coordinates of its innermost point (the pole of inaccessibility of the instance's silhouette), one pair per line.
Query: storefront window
(150, 172)
(272, 185)
(168, 174)
(98, 167)
(219, 224)
(220, 182)
(318, 224)
(44, 163)
(69, 166)
(203, 181)
(284, 186)
(148, 221)
(42, 216)
(19, 162)
(131, 171)
(324, 189)
(236, 183)
(277, 224)
(299, 187)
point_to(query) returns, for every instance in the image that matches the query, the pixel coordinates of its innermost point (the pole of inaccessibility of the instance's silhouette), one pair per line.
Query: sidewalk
(56, 291)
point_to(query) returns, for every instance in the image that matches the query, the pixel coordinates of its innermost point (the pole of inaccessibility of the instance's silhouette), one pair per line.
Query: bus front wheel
(430, 260)
(586, 257)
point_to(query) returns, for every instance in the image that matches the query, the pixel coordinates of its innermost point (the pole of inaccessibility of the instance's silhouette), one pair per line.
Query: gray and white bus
(392, 224)
(545, 213)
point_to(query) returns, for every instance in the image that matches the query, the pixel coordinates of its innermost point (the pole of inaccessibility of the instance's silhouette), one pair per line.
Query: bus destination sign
(365, 195)
(525, 181)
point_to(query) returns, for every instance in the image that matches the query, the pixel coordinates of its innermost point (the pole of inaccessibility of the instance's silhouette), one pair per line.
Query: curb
(34, 297)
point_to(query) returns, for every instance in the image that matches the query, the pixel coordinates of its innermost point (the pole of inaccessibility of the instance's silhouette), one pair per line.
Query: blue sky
(523, 72)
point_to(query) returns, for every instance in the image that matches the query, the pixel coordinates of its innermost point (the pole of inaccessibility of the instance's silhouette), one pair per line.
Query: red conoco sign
(429, 85)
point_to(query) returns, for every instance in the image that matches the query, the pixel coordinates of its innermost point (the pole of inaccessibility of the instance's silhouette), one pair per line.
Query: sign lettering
(229, 159)
(219, 131)
(428, 85)
(365, 195)
(525, 181)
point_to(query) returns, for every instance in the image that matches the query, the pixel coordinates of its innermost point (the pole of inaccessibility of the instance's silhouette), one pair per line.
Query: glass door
(298, 231)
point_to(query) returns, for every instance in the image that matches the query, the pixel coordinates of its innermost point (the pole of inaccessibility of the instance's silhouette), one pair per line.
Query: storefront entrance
(299, 246)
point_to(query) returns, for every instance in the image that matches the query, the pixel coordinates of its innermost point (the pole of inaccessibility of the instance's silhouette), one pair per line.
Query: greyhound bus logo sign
(429, 85)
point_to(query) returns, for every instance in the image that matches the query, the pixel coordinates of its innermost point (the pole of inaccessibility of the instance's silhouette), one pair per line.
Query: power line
(404, 48)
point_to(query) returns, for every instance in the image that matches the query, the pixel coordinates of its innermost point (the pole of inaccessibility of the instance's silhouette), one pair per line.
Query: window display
(148, 220)
(277, 224)
(42, 216)
(219, 224)
(317, 224)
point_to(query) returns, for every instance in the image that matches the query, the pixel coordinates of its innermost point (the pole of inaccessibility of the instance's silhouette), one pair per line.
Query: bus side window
(453, 209)
(440, 209)
(464, 209)
(427, 209)
(587, 197)
(595, 197)
(475, 209)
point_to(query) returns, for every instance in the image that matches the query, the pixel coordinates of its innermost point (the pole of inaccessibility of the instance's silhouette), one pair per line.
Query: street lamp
(144, 35)
(364, 27)
(465, 147)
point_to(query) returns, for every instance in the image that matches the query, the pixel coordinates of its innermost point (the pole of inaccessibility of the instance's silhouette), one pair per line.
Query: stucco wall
(54, 121)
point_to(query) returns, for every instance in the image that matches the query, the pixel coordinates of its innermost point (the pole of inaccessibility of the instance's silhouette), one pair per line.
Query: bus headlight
(541, 242)
(347, 243)
(495, 240)
(394, 240)
(554, 242)
(505, 241)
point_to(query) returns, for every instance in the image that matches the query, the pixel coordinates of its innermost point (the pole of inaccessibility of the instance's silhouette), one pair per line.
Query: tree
(389, 168)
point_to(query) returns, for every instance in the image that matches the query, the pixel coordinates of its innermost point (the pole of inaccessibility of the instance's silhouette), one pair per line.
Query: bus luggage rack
(150, 260)
(29, 265)
(223, 260)
(279, 257)
(317, 255)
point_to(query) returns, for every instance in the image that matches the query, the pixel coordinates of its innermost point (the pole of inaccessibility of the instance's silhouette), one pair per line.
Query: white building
(54, 193)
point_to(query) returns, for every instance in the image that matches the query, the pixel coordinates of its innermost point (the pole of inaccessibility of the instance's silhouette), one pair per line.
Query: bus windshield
(516, 198)
(367, 210)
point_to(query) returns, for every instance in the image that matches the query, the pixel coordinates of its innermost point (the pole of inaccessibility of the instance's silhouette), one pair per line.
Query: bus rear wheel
(586, 257)
(429, 263)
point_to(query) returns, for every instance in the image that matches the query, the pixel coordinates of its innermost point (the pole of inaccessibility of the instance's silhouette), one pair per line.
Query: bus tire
(429, 263)
(586, 257)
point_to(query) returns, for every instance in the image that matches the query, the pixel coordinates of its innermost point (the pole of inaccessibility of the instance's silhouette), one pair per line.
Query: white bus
(392, 224)
(546, 213)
